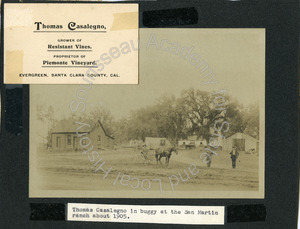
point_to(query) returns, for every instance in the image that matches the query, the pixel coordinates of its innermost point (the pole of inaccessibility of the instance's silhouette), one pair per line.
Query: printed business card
(71, 43)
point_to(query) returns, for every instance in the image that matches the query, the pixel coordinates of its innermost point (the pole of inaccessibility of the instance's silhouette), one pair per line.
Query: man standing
(234, 155)
(145, 151)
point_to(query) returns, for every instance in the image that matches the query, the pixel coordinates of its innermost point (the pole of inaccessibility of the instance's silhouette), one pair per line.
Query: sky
(236, 57)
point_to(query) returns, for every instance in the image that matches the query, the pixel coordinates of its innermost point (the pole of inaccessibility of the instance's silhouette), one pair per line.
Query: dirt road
(73, 171)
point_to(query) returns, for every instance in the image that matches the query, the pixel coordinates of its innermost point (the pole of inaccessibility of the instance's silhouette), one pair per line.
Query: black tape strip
(14, 109)
(246, 213)
(170, 17)
(55, 212)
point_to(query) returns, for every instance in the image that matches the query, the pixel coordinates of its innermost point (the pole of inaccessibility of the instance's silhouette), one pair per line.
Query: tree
(166, 118)
(105, 117)
(142, 124)
(200, 112)
(204, 109)
(46, 116)
(251, 120)
(194, 112)
(235, 117)
(171, 118)
(120, 129)
(243, 119)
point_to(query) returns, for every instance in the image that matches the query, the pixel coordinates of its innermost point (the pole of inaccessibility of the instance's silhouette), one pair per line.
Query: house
(197, 143)
(135, 142)
(65, 137)
(242, 141)
(154, 143)
(193, 139)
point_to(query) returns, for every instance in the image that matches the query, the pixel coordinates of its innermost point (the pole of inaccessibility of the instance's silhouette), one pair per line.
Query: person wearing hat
(144, 151)
(234, 154)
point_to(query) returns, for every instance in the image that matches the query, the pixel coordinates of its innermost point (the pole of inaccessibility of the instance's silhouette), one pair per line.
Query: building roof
(70, 126)
(244, 135)
(106, 134)
(154, 138)
(192, 138)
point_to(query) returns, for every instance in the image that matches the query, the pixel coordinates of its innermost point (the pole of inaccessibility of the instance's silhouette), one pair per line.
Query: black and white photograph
(194, 126)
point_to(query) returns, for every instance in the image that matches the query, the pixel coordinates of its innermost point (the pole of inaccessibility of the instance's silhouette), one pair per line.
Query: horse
(167, 152)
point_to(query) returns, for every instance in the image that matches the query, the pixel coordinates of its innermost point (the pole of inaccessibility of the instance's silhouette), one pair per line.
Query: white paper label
(205, 215)
(51, 44)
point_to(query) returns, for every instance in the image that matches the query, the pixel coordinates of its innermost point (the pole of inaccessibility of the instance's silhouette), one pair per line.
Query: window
(69, 140)
(99, 138)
